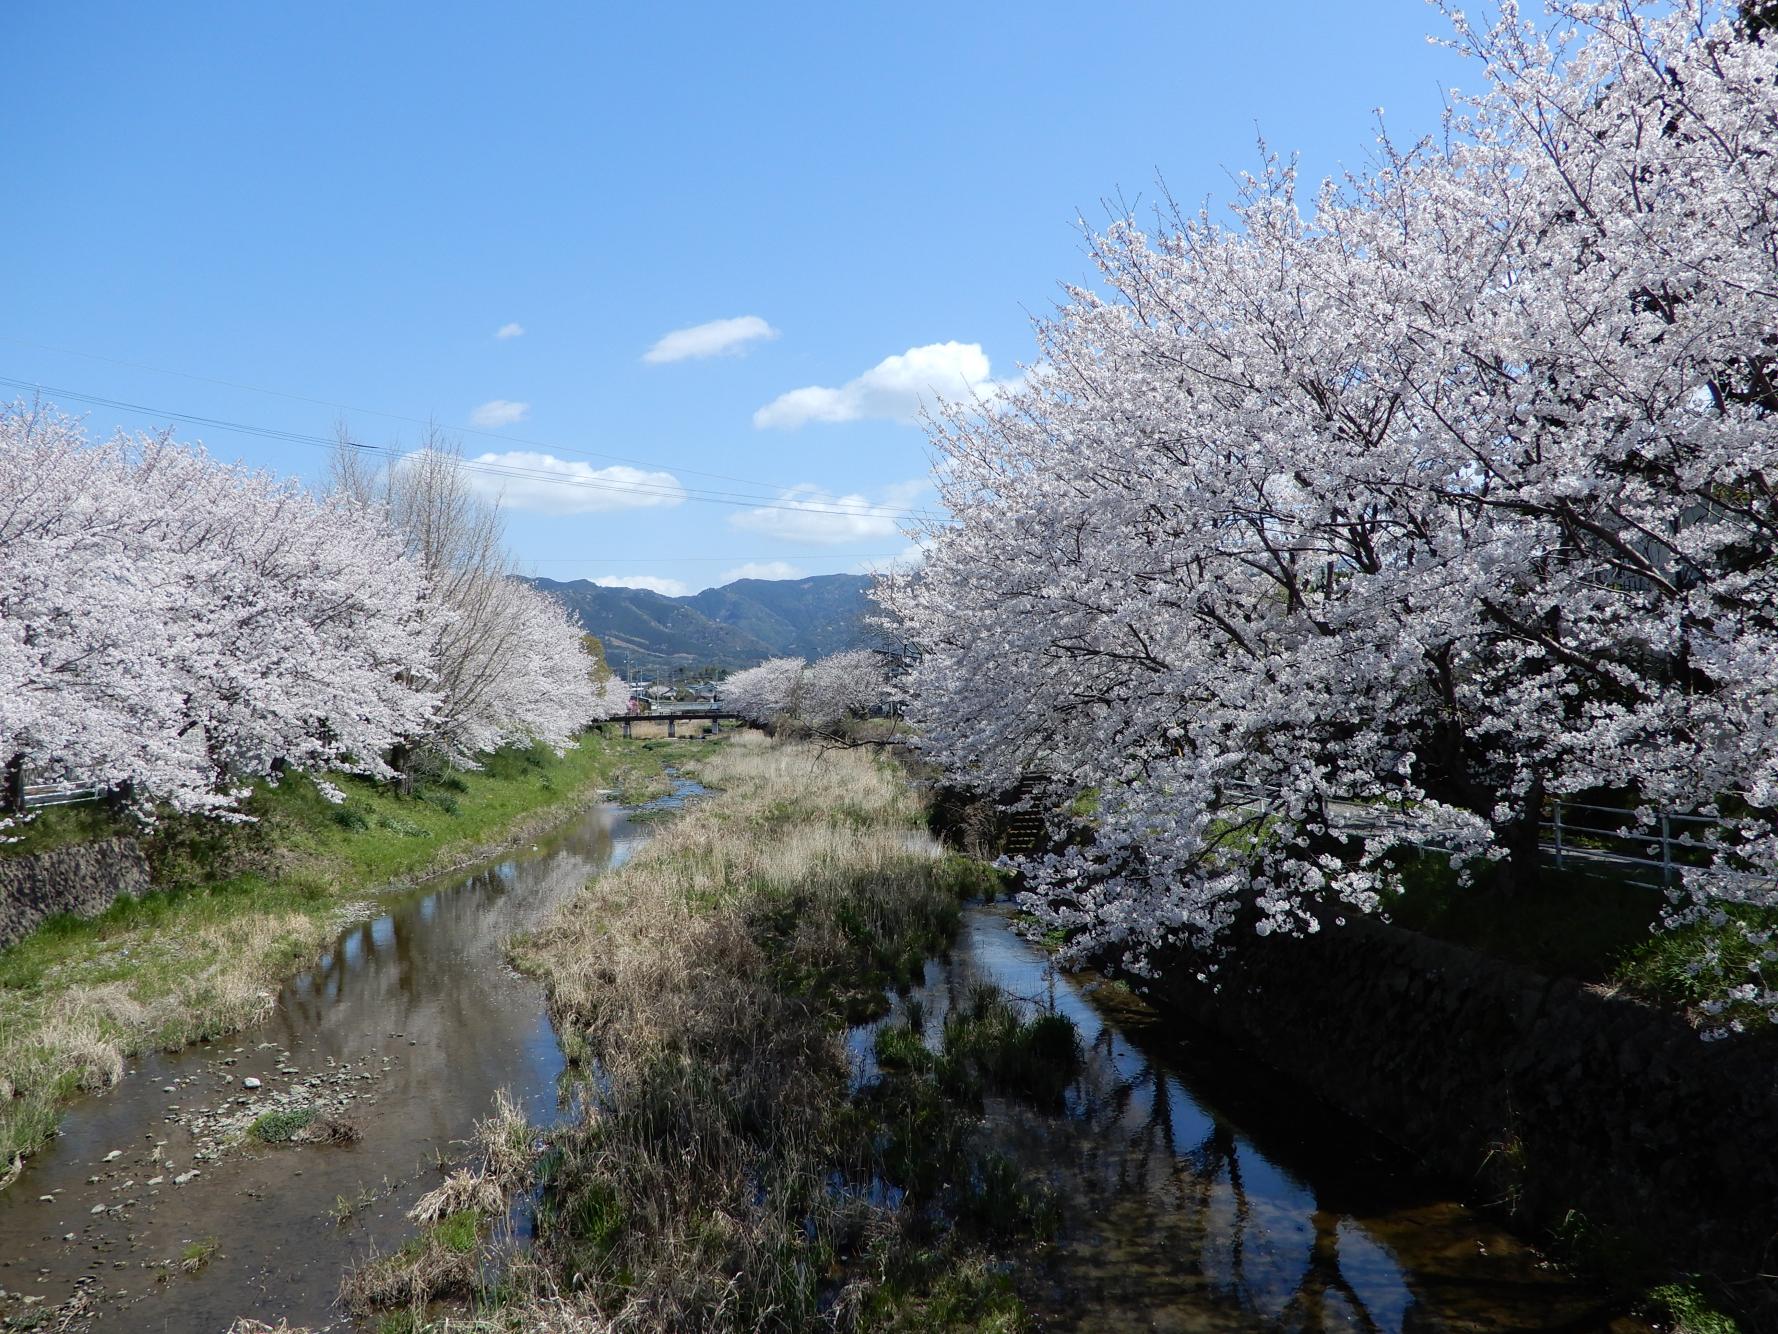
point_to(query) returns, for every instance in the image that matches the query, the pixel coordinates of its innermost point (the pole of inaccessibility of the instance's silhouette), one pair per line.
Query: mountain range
(737, 625)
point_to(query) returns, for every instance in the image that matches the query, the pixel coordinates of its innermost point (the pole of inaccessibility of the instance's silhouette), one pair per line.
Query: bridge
(673, 717)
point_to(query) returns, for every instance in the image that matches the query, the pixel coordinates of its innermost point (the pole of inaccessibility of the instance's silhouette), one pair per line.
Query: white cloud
(763, 569)
(526, 480)
(714, 339)
(806, 513)
(499, 412)
(514, 330)
(654, 583)
(907, 559)
(891, 390)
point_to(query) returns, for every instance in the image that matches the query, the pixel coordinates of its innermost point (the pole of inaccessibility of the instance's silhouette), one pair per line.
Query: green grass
(194, 1255)
(60, 826)
(458, 1232)
(240, 907)
(1690, 1311)
(1698, 964)
(1592, 930)
(1572, 925)
(280, 1126)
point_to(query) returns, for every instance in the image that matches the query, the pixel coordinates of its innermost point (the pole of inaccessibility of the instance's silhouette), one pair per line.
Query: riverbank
(236, 909)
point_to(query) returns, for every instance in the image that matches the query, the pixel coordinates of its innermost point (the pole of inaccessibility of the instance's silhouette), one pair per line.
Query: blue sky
(348, 205)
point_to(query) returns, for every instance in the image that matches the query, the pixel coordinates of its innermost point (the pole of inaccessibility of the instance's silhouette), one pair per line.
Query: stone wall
(1540, 1095)
(83, 879)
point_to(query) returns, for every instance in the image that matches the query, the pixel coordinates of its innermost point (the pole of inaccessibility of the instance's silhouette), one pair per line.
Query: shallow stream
(403, 1030)
(1199, 1193)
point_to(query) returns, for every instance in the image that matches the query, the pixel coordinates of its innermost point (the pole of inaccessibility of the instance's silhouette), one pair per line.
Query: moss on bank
(239, 907)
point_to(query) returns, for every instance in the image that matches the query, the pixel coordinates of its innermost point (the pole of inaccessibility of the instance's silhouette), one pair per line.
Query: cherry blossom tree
(180, 626)
(177, 625)
(1368, 521)
(818, 698)
(767, 694)
(842, 686)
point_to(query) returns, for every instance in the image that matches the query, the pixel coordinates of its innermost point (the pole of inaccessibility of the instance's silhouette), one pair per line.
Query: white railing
(61, 794)
(17, 795)
(1653, 856)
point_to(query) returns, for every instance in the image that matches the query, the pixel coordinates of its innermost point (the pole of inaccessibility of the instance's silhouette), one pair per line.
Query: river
(1199, 1193)
(403, 1030)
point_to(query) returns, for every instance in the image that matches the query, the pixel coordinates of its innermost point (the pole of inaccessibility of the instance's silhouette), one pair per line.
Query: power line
(502, 436)
(661, 494)
(633, 559)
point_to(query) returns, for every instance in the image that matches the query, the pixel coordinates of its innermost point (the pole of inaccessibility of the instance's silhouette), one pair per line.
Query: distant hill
(737, 625)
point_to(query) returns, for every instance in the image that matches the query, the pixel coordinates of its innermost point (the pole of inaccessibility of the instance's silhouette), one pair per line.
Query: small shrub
(196, 1254)
(1002, 1203)
(1033, 1058)
(968, 878)
(280, 1126)
(350, 817)
(441, 797)
(1691, 1311)
(901, 1047)
(438, 1262)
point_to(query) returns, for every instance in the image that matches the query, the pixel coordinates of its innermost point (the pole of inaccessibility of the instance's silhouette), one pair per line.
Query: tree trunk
(1522, 838)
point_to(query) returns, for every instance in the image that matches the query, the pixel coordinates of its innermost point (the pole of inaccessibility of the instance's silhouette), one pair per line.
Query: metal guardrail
(61, 794)
(18, 796)
(1668, 848)
(1652, 856)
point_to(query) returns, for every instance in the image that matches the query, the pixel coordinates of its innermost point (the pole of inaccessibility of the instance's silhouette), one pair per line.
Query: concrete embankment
(1586, 1115)
(84, 879)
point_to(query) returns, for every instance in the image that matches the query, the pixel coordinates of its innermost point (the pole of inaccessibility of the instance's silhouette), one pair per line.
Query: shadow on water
(1200, 1193)
(404, 1029)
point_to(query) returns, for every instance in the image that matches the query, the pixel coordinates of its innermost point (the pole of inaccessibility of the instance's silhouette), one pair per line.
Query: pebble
(97, 1209)
(250, 1083)
(183, 1177)
(115, 1153)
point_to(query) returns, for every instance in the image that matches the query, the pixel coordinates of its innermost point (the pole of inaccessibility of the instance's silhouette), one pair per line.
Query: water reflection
(415, 1012)
(1202, 1194)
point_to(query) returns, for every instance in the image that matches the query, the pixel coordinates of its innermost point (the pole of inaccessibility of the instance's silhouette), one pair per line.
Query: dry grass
(503, 1168)
(441, 1259)
(722, 1175)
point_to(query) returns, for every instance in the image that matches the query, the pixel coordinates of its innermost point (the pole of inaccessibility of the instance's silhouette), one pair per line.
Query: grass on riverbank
(240, 907)
(1596, 930)
(725, 1175)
